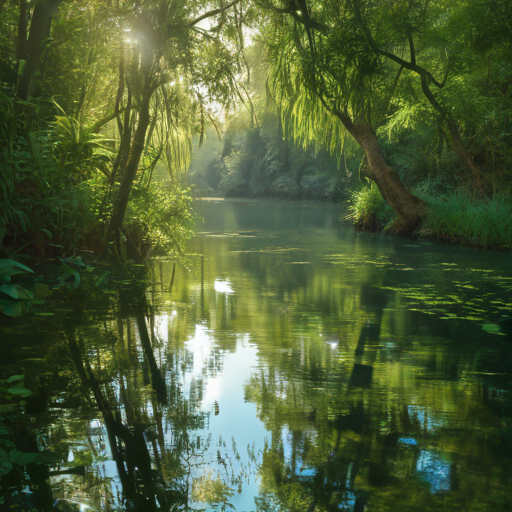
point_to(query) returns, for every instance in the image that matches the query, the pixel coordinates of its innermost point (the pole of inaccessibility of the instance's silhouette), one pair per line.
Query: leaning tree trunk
(410, 209)
(130, 171)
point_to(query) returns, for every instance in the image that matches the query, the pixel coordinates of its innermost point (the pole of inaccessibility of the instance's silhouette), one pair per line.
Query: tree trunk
(410, 209)
(124, 145)
(459, 147)
(130, 171)
(21, 46)
(39, 31)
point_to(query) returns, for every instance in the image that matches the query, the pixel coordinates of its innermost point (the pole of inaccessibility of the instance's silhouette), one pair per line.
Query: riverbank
(453, 218)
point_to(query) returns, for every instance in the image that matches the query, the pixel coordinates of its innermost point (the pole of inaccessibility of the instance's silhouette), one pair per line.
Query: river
(291, 364)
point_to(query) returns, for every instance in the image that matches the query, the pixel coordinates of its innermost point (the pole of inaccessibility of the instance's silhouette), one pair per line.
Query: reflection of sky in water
(434, 470)
(300, 470)
(285, 313)
(223, 286)
(236, 422)
(427, 421)
(409, 441)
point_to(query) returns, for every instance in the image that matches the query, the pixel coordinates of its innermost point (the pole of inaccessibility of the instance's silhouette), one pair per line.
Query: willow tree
(327, 78)
(169, 45)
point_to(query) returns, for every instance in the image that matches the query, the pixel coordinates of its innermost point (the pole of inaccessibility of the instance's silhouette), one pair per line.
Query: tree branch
(411, 47)
(214, 12)
(299, 12)
(95, 128)
(412, 66)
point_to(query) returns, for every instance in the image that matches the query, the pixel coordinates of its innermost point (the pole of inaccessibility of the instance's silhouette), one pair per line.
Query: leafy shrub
(367, 209)
(159, 217)
(285, 187)
(316, 186)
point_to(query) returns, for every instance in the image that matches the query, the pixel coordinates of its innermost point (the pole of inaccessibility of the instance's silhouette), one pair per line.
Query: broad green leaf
(15, 378)
(9, 289)
(12, 308)
(20, 391)
(21, 458)
(491, 328)
(23, 293)
(13, 267)
(70, 278)
(5, 465)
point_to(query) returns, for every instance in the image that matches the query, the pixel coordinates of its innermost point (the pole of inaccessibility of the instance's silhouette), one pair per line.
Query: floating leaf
(491, 328)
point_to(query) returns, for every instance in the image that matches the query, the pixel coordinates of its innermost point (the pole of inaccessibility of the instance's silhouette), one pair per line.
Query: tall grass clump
(367, 209)
(459, 219)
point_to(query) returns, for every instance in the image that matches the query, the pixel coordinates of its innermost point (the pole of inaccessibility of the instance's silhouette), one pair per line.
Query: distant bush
(459, 219)
(285, 187)
(316, 186)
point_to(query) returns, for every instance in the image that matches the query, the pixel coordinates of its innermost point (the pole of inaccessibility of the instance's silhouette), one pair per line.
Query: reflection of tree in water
(146, 427)
(346, 438)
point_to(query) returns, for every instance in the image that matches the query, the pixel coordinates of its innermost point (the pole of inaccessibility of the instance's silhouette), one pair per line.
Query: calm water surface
(295, 365)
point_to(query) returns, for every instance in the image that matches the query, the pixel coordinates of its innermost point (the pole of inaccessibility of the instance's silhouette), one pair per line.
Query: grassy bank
(453, 218)
(459, 220)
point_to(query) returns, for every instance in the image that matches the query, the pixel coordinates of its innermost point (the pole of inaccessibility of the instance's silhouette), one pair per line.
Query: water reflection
(294, 365)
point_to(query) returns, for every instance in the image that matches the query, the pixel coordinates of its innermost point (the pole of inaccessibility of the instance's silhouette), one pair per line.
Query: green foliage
(459, 219)
(52, 181)
(160, 217)
(79, 152)
(17, 299)
(261, 162)
(367, 209)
